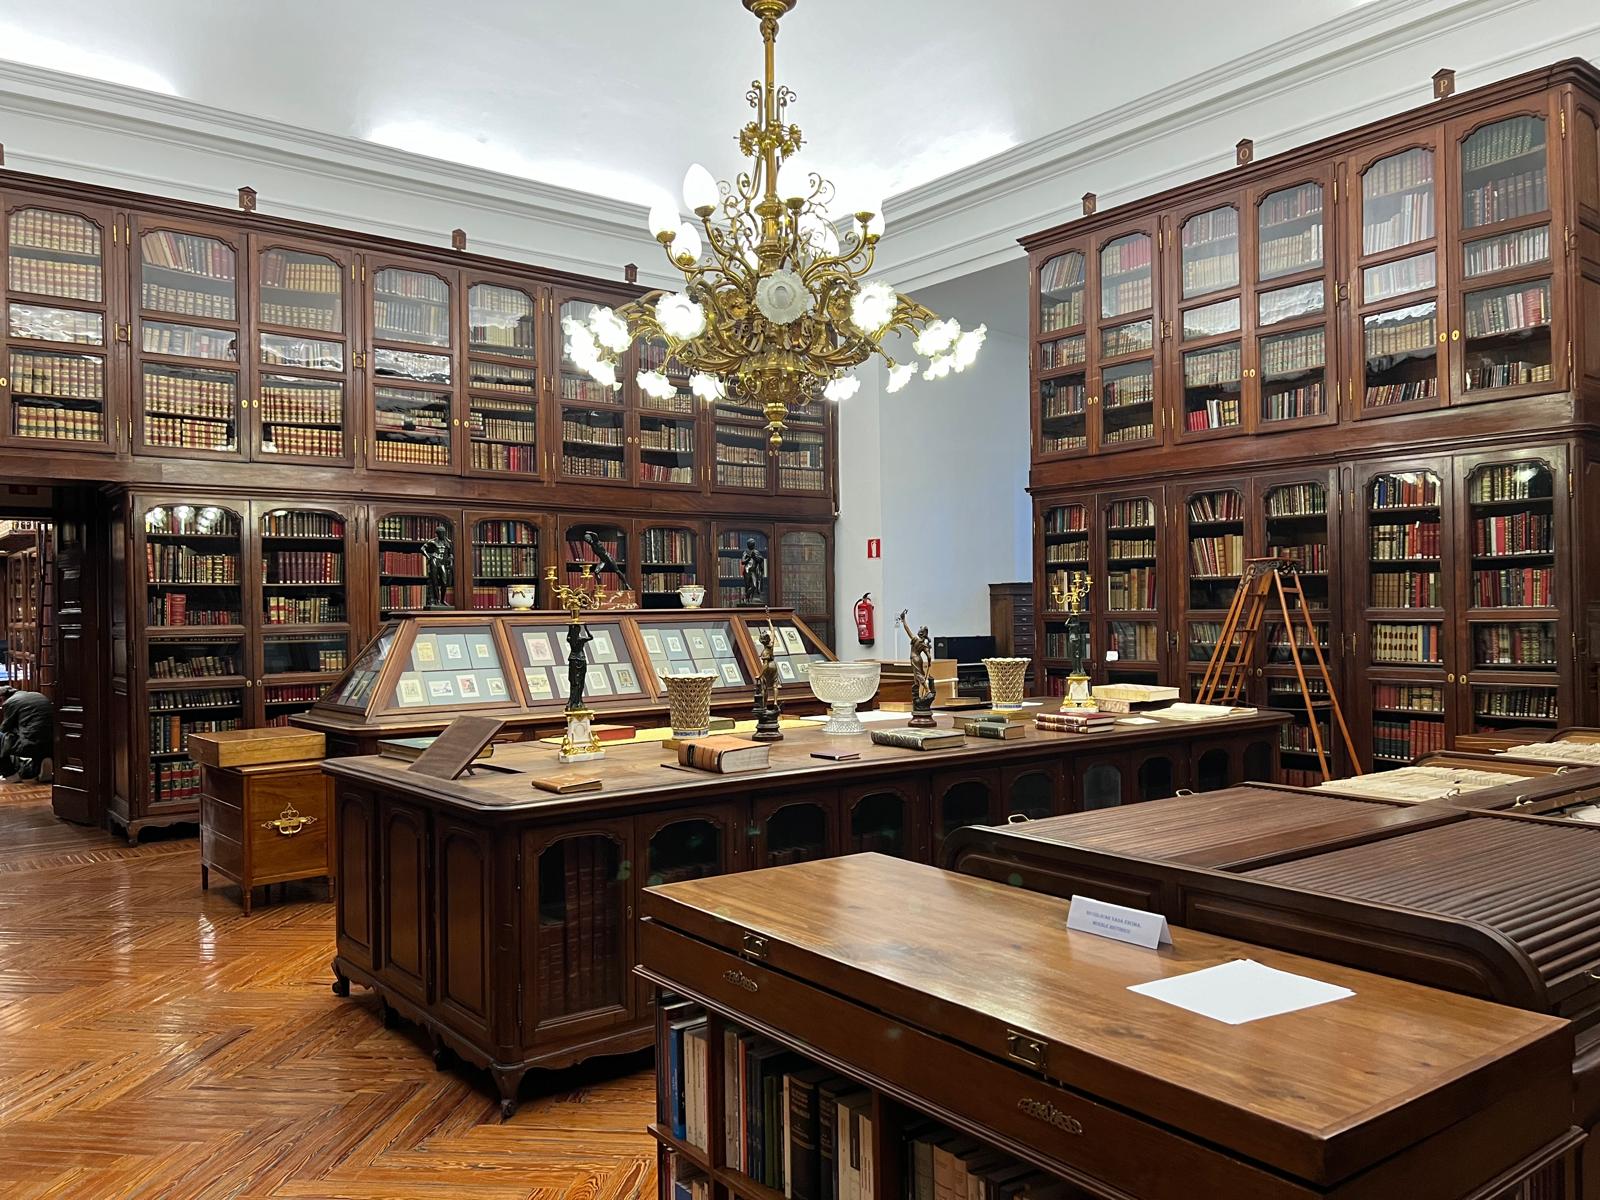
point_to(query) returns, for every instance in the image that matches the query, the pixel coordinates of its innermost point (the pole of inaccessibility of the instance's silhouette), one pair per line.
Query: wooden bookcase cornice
(1569, 71)
(264, 223)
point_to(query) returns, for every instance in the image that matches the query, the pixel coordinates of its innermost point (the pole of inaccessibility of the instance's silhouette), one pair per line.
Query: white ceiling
(616, 97)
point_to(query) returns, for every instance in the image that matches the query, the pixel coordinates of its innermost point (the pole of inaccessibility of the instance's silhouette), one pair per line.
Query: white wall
(938, 472)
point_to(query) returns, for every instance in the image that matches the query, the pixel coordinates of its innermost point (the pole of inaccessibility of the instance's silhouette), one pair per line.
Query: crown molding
(970, 219)
(610, 230)
(963, 222)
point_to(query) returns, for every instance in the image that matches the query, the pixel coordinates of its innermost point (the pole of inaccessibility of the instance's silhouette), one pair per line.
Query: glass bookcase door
(733, 545)
(304, 359)
(1297, 525)
(1133, 595)
(1404, 639)
(1062, 356)
(1210, 319)
(743, 458)
(411, 369)
(502, 379)
(669, 559)
(407, 540)
(1064, 554)
(188, 398)
(593, 422)
(1291, 381)
(1397, 290)
(1515, 624)
(505, 555)
(303, 607)
(197, 664)
(1507, 337)
(801, 463)
(605, 548)
(1127, 412)
(669, 427)
(1216, 525)
(805, 578)
(577, 973)
(57, 333)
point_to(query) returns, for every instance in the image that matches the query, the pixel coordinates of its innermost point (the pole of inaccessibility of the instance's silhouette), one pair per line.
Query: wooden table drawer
(280, 847)
(1014, 1109)
(1085, 1141)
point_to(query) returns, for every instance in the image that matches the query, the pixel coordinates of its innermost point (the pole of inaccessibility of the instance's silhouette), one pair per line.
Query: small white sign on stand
(1122, 924)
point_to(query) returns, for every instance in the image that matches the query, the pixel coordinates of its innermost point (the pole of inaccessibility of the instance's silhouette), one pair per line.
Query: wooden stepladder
(1266, 579)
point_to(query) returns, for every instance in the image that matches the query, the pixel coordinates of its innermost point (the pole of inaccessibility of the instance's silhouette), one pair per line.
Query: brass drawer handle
(1026, 1049)
(755, 947)
(289, 822)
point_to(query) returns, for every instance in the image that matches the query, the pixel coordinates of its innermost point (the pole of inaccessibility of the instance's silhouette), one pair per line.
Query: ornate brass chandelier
(775, 309)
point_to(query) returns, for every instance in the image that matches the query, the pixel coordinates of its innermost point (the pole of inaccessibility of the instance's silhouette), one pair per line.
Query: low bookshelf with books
(791, 1062)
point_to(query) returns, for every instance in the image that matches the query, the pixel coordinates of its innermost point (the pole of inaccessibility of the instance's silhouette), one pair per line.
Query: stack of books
(1080, 720)
(993, 725)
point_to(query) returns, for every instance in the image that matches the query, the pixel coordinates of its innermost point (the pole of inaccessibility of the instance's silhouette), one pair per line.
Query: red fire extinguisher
(864, 630)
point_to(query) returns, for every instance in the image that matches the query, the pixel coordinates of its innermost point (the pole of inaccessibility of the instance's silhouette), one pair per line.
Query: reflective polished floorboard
(157, 1044)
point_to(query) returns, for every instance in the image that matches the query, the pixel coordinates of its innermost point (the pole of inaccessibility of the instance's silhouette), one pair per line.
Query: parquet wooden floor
(156, 1044)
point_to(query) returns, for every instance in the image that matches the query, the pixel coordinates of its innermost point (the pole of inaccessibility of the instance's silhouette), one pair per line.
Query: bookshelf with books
(402, 566)
(583, 929)
(1124, 386)
(303, 620)
(669, 430)
(1508, 330)
(506, 553)
(595, 430)
(192, 676)
(585, 542)
(1206, 290)
(188, 373)
(412, 367)
(1291, 377)
(1061, 415)
(1299, 514)
(669, 558)
(1398, 252)
(802, 464)
(1064, 541)
(742, 458)
(1518, 627)
(1219, 535)
(731, 542)
(305, 358)
(1132, 600)
(502, 377)
(1427, 261)
(1403, 643)
(58, 333)
(804, 576)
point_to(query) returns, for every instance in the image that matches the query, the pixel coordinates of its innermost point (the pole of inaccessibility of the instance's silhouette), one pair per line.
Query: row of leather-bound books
(807, 1133)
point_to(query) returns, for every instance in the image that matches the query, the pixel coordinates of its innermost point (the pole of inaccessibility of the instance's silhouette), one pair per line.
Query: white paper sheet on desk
(1236, 993)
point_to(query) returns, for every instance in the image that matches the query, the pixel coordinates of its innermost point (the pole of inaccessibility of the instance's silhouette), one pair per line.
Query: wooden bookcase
(271, 598)
(25, 608)
(1379, 355)
(190, 357)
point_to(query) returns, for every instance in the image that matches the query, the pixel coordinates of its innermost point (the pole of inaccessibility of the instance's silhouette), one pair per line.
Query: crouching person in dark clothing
(27, 734)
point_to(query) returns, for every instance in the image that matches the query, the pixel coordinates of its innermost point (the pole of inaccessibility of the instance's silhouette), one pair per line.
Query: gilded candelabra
(580, 741)
(1070, 600)
(775, 308)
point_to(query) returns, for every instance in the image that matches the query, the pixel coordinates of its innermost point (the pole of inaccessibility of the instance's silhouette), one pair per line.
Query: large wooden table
(1473, 893)
(500, 918)
(969, 1001)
